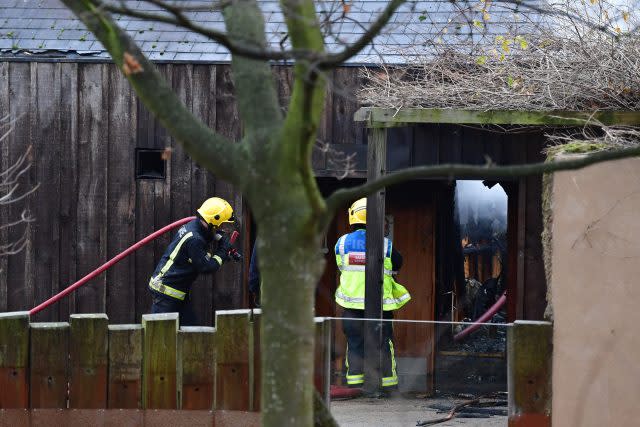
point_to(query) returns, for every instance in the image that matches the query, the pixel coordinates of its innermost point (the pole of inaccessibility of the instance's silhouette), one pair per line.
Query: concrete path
(401, 412)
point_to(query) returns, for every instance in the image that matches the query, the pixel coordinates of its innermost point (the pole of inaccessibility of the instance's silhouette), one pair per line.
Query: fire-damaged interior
(462, 252)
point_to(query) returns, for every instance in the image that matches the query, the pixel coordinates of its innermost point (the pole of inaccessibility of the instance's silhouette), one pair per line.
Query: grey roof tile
(188, 56)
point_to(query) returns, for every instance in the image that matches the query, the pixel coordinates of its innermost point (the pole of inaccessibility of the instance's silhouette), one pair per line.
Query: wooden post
(125, 367)
(255, 367)
(529, 353)
(322, 358)
(88, 358)
(49, 355)
(376, 165)
(159, 361)
(14, 359)
(232, 360)
(196, 358)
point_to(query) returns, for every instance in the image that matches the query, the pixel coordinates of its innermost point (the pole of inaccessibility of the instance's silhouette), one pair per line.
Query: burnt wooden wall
(84, 124)
(446, 143)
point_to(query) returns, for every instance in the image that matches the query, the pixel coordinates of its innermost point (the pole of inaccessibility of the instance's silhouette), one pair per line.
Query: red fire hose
(482, 319)
(110, 263)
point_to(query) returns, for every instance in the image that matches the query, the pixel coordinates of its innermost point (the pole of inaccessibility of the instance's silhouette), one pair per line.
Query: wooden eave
(375, 117)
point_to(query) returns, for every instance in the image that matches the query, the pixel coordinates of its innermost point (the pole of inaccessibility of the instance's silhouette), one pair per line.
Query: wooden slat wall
(84, 123)
(4, 165)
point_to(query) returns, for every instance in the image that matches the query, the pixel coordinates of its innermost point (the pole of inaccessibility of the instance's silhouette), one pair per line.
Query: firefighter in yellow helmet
(188, 256)
(350, 257)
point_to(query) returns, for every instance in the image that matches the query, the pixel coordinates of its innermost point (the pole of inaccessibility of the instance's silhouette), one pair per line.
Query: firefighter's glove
(235, 255)
(224, 246)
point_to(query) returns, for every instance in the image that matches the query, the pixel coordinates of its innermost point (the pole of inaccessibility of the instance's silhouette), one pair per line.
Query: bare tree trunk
(290, 267)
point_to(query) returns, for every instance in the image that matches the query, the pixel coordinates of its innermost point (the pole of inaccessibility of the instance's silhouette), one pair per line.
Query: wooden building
(107, 179)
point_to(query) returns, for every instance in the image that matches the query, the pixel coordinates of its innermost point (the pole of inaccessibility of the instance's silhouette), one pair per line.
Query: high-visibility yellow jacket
(351, 260)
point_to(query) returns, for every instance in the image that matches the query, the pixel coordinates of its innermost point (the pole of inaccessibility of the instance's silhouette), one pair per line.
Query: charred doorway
(473, 274)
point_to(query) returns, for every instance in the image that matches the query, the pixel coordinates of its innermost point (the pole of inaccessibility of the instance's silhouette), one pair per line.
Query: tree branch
(307, 98)
(213, 151)
(350, 51)
(180, 20)
(344, 196)
(254, 83)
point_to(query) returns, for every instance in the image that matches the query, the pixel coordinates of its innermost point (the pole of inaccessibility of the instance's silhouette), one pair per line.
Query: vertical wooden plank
(150, 204)
(125, 367)
(472, 142)
(204, 86)
(68, 132)
(160, 351)
(228, 290)
(4, 165)
(14, 359)
(182, 83)
(49, 357)
(88, 358)
(376, 163)
(20, 280)
(196, 361)
(522, 220)
(450, 148)
(426, 144)
(344, 86)
(144, 258)
(322, 357)
(232, 360)
(121, 196)
(92, 186)
(162, 187)
(535, 282)
(46, 235)
(255, 357)
(529, 350)
(511, 188)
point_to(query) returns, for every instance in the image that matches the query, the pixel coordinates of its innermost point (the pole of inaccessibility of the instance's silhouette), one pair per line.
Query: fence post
(49, 354)
(159, 361)
(196, 358)
(14, 359)
(322, 358)
(232, 362)
(125, 367)
(88, 357)
(529, 352)
(255, 368)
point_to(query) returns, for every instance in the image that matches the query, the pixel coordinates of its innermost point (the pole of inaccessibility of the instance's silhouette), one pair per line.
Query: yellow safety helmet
(358, 212)
(215, 211)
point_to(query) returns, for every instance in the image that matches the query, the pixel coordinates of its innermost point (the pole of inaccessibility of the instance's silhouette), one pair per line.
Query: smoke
(480, 211)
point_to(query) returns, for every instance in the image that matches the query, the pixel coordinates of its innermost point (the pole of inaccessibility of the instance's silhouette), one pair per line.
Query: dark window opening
(150, 163)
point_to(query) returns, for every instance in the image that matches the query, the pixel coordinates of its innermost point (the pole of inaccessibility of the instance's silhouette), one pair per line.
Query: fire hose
(233, 253)
(482, 319)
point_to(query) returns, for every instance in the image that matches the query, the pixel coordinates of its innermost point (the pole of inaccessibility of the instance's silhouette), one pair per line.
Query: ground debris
(479, 407)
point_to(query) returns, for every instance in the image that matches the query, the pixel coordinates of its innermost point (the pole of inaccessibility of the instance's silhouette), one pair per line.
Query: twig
(451, 413)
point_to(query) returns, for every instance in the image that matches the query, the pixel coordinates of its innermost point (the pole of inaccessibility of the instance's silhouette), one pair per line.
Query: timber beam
(375, 117)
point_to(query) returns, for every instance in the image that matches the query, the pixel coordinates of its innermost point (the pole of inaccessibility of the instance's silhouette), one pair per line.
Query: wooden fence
(88, 364)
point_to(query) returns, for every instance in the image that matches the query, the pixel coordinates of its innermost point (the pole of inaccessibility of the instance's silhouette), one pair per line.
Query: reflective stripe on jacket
(186, 257)
(351, 260)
